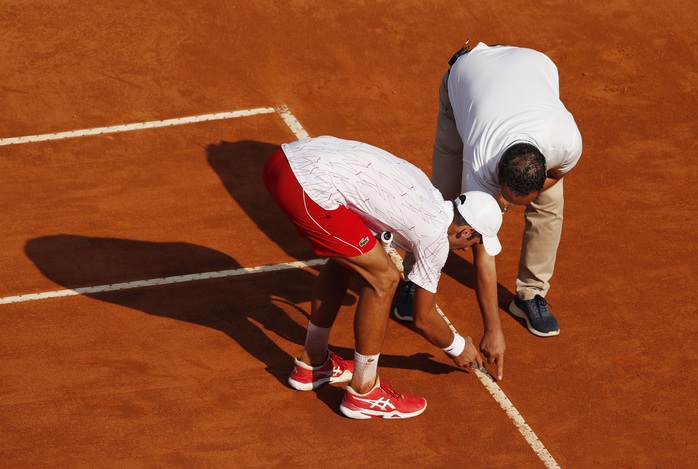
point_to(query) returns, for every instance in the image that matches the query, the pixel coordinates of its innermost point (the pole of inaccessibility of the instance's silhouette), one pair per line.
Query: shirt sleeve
(430, 258)
(572, 149)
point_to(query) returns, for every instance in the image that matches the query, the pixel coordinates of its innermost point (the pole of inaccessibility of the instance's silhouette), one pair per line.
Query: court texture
(152, 297)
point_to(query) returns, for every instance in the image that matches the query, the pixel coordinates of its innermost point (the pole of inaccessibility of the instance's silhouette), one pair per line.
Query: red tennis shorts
(336, 233)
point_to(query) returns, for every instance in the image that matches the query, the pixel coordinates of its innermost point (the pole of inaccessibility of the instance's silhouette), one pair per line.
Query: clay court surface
(192, 372)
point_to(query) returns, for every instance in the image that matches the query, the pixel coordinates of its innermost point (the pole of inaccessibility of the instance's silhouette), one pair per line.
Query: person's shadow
(239, 306)
(243, 307)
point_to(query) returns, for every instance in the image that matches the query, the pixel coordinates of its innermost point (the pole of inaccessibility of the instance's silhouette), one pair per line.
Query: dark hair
(522, 169)
(457, 217)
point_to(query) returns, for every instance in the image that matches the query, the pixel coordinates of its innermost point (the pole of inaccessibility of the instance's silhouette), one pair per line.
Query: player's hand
(470, 356)
(492, 347)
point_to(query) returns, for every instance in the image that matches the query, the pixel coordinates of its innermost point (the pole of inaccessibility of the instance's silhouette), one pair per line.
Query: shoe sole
(365, 414)
(402, 318)
(519, 313)
(300, 386)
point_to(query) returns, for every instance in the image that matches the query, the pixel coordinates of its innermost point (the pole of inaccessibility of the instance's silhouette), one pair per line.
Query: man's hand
(470, 355)
(492, 347)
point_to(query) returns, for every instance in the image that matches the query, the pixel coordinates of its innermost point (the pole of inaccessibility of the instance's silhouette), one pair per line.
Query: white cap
(482, 212)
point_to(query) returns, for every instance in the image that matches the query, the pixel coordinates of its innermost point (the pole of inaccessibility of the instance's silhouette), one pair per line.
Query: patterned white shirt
(386, 192)
(503, 95)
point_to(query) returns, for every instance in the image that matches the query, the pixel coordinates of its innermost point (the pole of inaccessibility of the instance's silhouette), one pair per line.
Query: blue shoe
(538, 318)
(403, 308)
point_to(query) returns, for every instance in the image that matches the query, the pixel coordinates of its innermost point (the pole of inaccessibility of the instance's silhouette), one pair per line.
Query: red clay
(194, 374)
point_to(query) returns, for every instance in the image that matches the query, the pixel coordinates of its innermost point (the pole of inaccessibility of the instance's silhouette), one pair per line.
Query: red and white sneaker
(334, 370)
(381, 402)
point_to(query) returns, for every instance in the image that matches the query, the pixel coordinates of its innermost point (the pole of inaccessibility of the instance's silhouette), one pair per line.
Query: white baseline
(159, 281)
(283, 111)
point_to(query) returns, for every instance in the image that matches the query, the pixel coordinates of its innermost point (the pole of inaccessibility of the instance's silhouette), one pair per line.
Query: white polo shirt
(386, 192)
(503, 95)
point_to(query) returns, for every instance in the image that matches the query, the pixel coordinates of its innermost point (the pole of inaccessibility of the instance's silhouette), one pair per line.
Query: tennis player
(340, 194)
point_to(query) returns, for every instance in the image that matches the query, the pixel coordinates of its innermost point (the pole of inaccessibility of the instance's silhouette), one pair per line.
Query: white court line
(159, 281)
(283, 111)
(491, 385)
(293, 124)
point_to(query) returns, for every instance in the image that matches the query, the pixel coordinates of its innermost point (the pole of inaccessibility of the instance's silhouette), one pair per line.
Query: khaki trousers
(543, 215)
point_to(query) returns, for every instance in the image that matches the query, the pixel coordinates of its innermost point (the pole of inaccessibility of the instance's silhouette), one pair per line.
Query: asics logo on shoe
(324, 374)
(382, 403)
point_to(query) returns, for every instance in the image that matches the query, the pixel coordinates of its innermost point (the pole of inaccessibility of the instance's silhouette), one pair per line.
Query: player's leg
(537, 262)
(366, 396)
(379, 281)
(327, 296)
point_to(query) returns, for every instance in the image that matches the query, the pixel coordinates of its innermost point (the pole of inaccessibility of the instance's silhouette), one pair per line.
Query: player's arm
(432, 327)
(492, 344)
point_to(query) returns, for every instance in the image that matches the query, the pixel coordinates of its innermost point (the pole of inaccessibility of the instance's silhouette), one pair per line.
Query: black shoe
(403, 308)
(538, 318)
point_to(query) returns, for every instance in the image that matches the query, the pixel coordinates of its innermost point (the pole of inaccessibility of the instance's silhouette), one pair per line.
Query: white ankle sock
(365, 370)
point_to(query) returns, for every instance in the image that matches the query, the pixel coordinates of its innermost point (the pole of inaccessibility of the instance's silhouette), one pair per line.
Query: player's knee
(387, 282)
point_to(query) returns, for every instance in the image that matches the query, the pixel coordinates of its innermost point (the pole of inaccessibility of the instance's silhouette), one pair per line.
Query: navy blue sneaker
(403, 308)
(538, 318)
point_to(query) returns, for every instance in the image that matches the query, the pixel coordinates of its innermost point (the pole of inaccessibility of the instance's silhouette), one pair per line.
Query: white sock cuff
(365, 359)
(365, 369)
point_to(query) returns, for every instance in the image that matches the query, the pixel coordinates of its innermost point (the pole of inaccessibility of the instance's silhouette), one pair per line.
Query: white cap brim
(492, 245)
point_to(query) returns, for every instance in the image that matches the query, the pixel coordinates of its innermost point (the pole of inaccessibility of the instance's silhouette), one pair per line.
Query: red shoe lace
(385, 386)
(339, 361)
